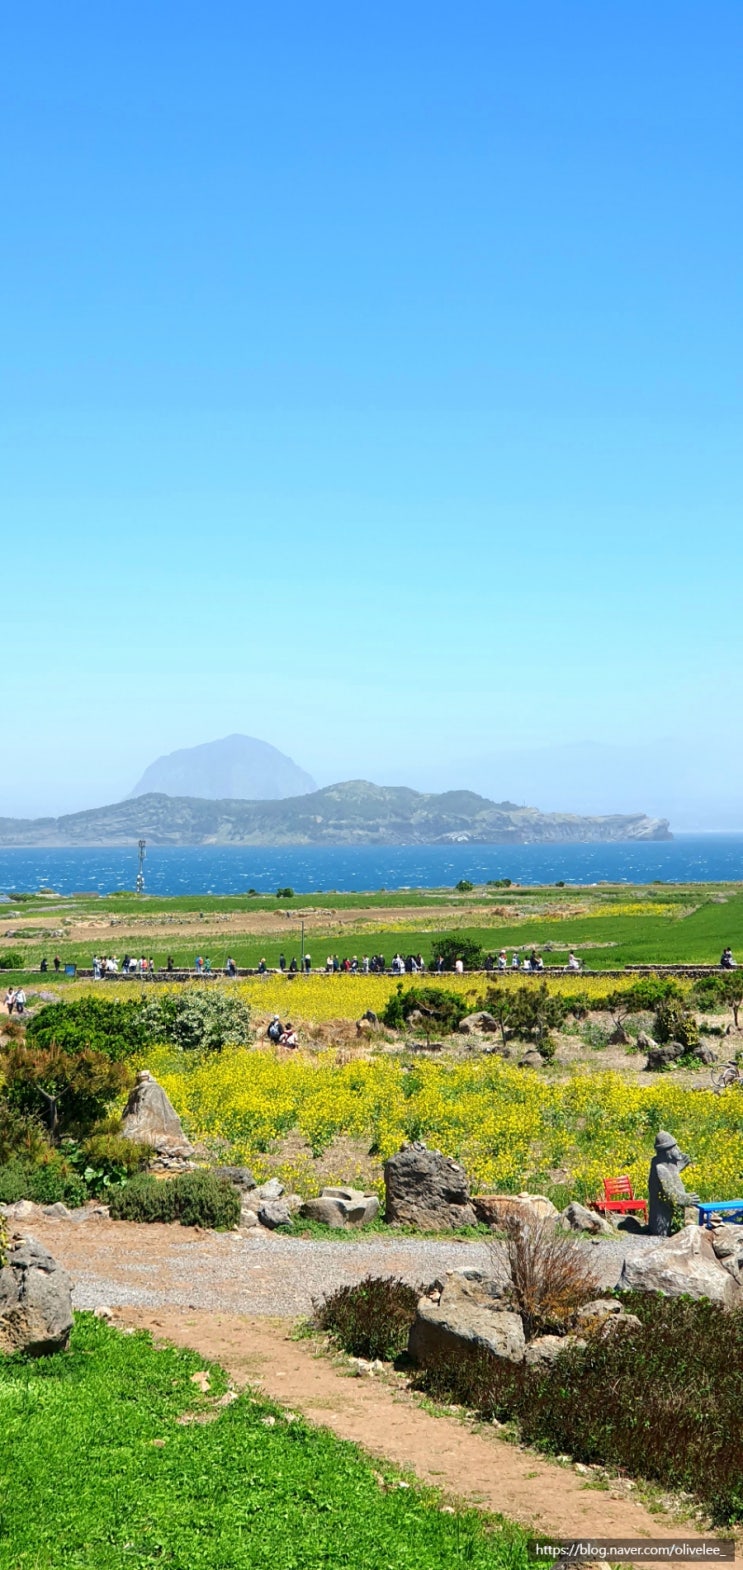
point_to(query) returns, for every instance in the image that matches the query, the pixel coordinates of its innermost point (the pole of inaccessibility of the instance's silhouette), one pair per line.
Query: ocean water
(223, 869)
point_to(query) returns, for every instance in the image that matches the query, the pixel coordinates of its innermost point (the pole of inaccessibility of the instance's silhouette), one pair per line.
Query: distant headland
(355, 812)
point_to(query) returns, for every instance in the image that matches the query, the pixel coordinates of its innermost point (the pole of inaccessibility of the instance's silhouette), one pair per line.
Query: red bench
(619, 1196)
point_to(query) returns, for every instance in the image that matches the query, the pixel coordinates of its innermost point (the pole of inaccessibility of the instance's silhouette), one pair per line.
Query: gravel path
(120, 1263)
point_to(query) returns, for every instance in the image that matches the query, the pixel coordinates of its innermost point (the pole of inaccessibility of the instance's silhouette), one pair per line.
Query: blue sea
(221, 869)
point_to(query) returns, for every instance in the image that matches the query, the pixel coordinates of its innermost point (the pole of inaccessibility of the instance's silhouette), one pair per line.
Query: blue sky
(371, 383)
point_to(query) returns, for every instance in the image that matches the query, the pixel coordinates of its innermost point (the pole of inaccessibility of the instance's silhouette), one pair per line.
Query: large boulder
(151, 1119)
(480, 1024)
(580, 1219)
(35, 1300)
(427, 1190)
(241, 1177)
(683, 1265)
(473, 1311)
(496, 1210)
(341, 1207)
(727, 1246)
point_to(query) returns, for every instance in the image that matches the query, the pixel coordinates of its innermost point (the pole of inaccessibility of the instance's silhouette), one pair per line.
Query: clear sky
(371, 383)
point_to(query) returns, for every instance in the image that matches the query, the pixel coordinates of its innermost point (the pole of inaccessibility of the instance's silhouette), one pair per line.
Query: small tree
(464, 886)
(731, 993)
(113, 1026)
(647, 993)
(197, 1021)
(673, 1022)
(502, 1003)
(435, 1005)
(537, 1012)
(452, 948)
(70, 1092)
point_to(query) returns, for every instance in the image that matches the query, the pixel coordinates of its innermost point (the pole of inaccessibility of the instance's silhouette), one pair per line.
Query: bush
(196, 1020)
(464, 886)
(21, 1135)
(286, 893)
(11, 959)
(442, 1009)
(112, 1026)
(673, 1415)
(68, 1093)
(674, 1023)
(106, 1160)
(371, 1319)
(196, 1199)
(45, 1184)
(550, 1276)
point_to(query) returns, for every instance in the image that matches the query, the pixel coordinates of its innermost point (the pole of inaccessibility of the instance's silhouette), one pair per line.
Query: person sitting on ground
(573, 961)
(726, 960)
(275, 1030)
(289, 1037)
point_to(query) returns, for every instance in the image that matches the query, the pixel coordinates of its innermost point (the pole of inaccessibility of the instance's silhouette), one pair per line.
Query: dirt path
(477, 1467)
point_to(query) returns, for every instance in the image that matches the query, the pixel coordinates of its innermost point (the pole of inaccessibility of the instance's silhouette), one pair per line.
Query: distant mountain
(354, 813)
(237, 768)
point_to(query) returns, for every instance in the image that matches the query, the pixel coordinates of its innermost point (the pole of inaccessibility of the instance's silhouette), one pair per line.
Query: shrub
(111, 1026)
(550, 1276)
(286, 893)
(45, 1184)
(371, 1319)
(196, 1199)
(457, 947)
(464, 886)
(674, 1023)
(11, 959)
(144, 1199)
(197, 1020)
(106, 1159)
(21, 1135)
(70, 1093)
(437, 1006)
(537, 1011)
(673, 1413)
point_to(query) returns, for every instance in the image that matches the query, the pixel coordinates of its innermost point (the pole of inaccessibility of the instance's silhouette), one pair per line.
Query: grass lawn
(100, 1474)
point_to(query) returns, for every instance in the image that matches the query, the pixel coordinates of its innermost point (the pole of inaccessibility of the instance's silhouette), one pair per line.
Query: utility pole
(303, 945)
(142, 845)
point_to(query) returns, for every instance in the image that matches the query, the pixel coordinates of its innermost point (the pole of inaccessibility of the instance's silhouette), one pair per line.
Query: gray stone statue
(665, 1187)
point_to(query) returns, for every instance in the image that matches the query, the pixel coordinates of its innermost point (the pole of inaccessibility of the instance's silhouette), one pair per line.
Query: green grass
(100, 1475)
(606, 940)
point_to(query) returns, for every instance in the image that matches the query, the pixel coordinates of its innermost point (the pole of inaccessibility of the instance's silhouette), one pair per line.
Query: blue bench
(730, 1207)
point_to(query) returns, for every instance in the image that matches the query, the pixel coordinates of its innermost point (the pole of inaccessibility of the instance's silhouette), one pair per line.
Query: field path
(235, 1299)
(381, 1415)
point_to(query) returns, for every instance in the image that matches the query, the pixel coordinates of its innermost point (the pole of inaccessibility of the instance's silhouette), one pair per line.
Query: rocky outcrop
(427, 1190)
(241, 1177)
(35, 1301)
(685, 1264)
(474, 1311)
(151, 1119)
(341, 1207)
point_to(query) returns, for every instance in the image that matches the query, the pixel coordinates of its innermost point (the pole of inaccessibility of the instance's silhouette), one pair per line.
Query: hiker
(275, 1030)
(289, 1036)
(459, 967)
(307, 964)
(44, 966)
(726, 960)
(282, 962)
(515, 960)
(261, 967)
(169, 966)
(9, 999)
(57, 962)
(573, 961)
(293, 967)
(20, 1000)
(230, 968)
(502, 960)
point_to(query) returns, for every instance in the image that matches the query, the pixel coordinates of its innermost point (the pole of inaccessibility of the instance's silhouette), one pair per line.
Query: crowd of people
(368, 964)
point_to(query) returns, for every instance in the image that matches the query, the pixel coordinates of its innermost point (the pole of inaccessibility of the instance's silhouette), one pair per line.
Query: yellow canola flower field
(510, 1129)
(320, 997)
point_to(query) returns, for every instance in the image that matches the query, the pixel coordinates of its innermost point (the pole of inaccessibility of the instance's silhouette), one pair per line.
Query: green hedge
(196, 1199)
